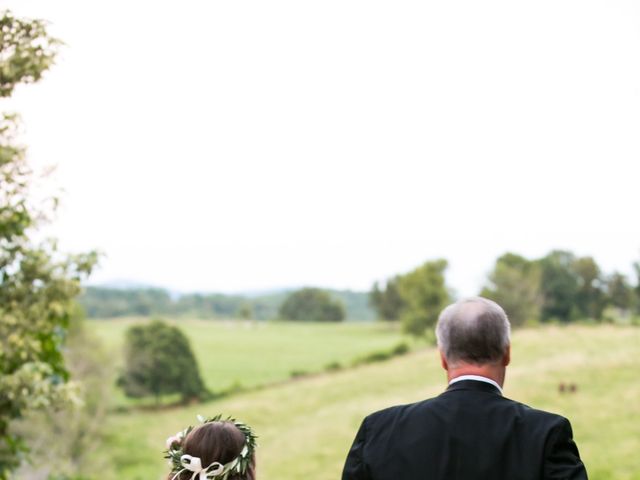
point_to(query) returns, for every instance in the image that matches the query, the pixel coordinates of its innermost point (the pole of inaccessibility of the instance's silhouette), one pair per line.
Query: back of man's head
(474, 330)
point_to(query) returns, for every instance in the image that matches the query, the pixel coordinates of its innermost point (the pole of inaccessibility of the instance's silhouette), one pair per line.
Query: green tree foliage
(572, 287)
(388, 303)
(101, 302)
(357, 306)
(37, 283)
(245, 311)
(425, 294)
(559, 284)
(619, 292)
(636, 289)
(514, 283)
(111, 302)
(27, 51)
(208, 306)
(66, 442)
(311, 305)
(590, 298)
(159, 361)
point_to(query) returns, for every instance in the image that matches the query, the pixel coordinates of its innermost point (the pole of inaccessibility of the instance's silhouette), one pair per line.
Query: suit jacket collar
(473, 385)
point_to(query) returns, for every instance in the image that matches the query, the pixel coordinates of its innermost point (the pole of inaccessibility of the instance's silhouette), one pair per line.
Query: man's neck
(493, 371)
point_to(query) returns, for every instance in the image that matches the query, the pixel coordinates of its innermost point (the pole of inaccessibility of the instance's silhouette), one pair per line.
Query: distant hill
(110, 302)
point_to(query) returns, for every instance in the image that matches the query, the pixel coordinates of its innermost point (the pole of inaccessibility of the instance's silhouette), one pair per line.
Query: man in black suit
(470, 431)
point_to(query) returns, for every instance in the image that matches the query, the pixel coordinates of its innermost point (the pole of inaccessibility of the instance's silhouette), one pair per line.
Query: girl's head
(216, 441)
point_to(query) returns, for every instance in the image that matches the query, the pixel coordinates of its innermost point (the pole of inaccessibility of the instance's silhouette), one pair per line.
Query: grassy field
(240, 354)
(306, 426)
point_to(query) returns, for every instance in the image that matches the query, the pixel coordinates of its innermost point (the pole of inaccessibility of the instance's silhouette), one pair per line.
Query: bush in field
(333, 366)
(312, 304)
(245, 311)
(159, 361)
(401, 348)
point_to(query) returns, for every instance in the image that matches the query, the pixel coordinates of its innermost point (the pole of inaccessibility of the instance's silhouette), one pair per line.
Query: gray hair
(474, 330)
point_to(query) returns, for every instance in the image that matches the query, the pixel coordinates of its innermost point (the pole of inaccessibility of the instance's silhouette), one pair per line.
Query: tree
(311, 305)
(425, 294)
(245, 311)
(159, 361)
(27, 51)
(66, 443)
(572, 287)
(619, 292)
(636, 289)
(590, 298)
(388, 303)
(514, 283)
(559, 284)
(37, 283)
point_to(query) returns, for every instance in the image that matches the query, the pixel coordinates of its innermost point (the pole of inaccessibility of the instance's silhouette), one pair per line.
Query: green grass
(244, 354)
(306, 426)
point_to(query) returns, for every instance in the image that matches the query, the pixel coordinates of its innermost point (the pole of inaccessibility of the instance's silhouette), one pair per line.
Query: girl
(216, 450)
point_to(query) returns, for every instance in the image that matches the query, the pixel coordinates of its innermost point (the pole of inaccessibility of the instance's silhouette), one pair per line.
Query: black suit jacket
(468, 432)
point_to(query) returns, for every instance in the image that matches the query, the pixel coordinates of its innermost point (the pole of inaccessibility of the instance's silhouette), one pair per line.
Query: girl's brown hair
(216, 442)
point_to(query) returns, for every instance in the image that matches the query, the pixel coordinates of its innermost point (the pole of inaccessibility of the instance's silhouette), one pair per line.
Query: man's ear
(443, 361)
(506, 359)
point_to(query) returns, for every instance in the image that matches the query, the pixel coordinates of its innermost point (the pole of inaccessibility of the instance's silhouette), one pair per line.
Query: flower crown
(181, 463)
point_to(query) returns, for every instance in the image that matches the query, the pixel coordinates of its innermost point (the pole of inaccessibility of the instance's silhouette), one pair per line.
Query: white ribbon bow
(194, 464)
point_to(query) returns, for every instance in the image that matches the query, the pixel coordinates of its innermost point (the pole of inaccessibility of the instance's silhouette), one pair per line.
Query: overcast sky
(242, 145)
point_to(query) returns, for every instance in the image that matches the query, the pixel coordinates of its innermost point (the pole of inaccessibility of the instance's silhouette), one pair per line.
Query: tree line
(317, 304)
(559, 287)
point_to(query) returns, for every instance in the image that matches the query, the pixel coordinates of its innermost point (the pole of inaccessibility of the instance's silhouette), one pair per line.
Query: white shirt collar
(478, 378)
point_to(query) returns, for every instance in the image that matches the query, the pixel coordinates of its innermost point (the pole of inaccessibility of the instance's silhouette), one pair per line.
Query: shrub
(159, 361)
(382, 355)
(312, 305)
(400, 349)
(333, 367)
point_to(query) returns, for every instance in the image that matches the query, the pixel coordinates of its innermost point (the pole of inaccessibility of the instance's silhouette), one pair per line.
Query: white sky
(240, 145)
